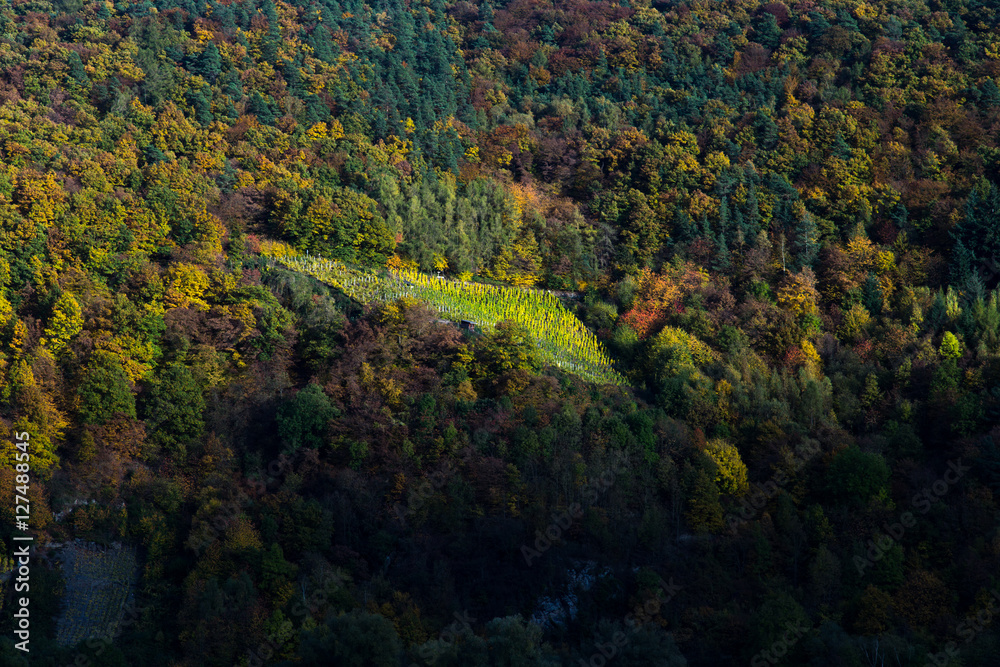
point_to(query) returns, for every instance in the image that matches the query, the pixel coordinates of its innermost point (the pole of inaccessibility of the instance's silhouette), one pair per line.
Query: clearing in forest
(99, 588)
(563, 341)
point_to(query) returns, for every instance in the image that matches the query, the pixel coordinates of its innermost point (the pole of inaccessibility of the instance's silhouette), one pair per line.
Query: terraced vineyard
(99, 583)
(562, 339)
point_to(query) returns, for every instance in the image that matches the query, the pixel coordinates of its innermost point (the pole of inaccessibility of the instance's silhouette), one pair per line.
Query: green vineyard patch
(563, 341)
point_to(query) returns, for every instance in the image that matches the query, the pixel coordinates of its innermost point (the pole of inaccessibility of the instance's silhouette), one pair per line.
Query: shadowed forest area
(781, 222)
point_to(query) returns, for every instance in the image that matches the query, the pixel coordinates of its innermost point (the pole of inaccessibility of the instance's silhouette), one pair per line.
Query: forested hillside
(780, 220)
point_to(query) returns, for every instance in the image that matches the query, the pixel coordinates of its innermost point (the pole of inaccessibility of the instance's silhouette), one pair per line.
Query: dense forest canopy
(781, 219)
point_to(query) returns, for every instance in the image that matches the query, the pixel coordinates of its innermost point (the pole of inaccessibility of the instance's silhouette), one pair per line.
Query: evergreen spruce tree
(76, 70)
(210, 63)
(806, 243)
(202, 110)
(753, 212)
(724, 50)
(963, 263)
(684, 228)
(320, 41)
(722, 260)
(232, 85)
(173, 407)
(272, 41)
(724, 220)
(977, 236)
(261, 108)
(766, 130)
(739, 227)
(105, 390)
(293, 77)
(899, 215)
(766, 30)
(871, 295)
(817, 25)
(990, 93)
(840, 148)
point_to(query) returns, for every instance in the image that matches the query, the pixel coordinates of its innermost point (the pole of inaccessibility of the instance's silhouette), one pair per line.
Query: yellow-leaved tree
(798, 294)
(950, 347)
(855, 322)
(188, 284)
(66, 322)
(675, 350)
(732, 476)
(37, 416)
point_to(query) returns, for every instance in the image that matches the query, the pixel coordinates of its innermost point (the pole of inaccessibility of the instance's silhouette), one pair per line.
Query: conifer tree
(105, 390)
(76, 70)
(210, 63)
(977, 236)
(766, 30)
(990, 93)
(840, 148)
(806, 243)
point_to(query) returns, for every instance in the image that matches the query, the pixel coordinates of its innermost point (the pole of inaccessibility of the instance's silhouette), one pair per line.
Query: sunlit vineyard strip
(562, 339)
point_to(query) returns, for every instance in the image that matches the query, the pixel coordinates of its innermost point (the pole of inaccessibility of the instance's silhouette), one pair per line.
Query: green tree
(202, 109)
(806, 240)
(261, 107)
(210, 63)
(704, 512)
(950, 347)
(640, 233)
(990, 93)
(977, 236)
(275, 570)
(272, 40)
(777, 613)
(766, 30)
(855, 476)
(76, 70)
(509, 347)
(340, 223)
(105, 390)
(304, 419)
(465, 649)
(173, 408)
